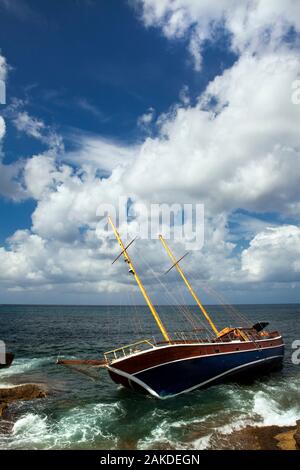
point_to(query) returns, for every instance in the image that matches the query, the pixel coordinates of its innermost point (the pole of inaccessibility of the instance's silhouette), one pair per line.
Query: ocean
(82, 413)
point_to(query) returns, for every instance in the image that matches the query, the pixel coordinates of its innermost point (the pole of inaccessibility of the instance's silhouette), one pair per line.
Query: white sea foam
(272, 403)
(81, 426)
(164, 433)
(202, 443)
(272, 413)
(161, 435)
(21, 366)
(30, 425)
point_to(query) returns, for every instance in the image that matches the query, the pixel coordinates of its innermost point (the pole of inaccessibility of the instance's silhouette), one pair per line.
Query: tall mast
(176, 264)
(139, 283)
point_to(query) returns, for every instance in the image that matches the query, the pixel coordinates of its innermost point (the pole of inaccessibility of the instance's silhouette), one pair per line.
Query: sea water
(81, 413)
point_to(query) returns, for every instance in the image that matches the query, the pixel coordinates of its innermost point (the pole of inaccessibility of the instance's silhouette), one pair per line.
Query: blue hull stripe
(180, 376)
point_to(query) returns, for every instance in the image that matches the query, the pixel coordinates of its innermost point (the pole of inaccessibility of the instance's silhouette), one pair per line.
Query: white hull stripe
(134, 379)
(155, 394)
(207, 355)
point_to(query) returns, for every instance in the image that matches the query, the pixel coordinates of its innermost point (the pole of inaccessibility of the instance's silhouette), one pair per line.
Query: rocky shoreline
(248, 438)
(263, 438)
(28, 391)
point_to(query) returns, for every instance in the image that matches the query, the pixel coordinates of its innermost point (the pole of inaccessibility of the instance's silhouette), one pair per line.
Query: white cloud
(31, 126)
(41, 174)
(146, 119)
(32, 261)
(184, 95)
(10, 181)
(84, 104)
(253, 25)
(238, 147)
(243, 152)
(68, 199)
(274, 254)
(25, 260)
(97, 153)
(22, 179)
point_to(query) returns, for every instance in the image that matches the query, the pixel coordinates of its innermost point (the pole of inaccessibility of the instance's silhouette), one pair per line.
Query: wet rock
(297, 434)
(21, 392)
(258, 438)
(3, 406)
(286, 441)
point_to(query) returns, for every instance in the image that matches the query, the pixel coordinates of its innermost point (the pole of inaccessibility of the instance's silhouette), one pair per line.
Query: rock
(286, 440)
(22, 392)
(258, 438)
(3, 406)
(297, 434)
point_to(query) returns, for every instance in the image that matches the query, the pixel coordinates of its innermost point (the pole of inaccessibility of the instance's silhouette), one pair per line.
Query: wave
(275, 403)
(271, 412)
(21, 366)
(161, 437)
(81, 427)
(197, 421)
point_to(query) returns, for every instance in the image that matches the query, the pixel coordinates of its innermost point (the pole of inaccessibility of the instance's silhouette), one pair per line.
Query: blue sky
(90, 66)
(100, 54)
(80, 78)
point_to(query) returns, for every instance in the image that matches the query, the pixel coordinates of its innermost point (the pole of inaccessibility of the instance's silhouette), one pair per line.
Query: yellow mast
(176, 264)
(139, 283)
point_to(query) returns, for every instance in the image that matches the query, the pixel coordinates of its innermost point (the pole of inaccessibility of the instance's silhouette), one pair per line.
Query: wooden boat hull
(171, 370)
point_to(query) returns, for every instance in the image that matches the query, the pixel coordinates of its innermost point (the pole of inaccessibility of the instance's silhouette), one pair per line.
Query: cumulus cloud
(241, 152)
(93, 152)
(41, 174)
(32, 261)
(274, 254)
(32, 126)
(72, 204)
(16, 179)
(146, 119)
(254, 25)
(237, 147)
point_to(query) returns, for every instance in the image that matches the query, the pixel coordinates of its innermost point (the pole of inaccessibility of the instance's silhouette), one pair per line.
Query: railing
(197, 336)
(129, 349)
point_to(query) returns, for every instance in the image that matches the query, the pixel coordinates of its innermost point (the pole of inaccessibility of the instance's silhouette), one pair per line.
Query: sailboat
(171, 367)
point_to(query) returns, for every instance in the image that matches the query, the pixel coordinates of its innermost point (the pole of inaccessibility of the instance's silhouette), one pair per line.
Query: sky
(158, 102)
